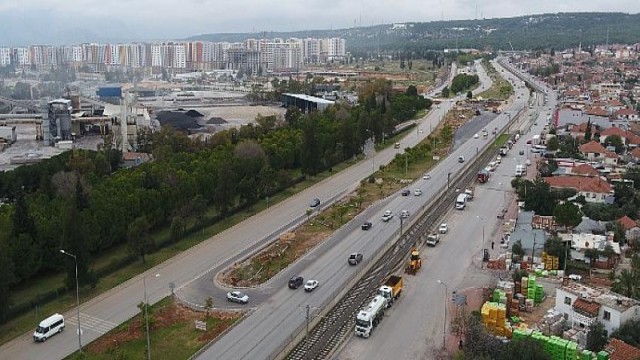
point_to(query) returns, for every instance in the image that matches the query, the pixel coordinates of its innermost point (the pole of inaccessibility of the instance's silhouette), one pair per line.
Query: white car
(476, 136)
(443, 228)
(426, 177)
(404, 214)
(388, 215)
(499, 159)
(417, 192)
(310, 285)
(237, 296)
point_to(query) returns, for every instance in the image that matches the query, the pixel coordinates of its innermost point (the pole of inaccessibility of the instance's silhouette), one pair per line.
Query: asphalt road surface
(273, 323)
(116, 306)
(413, 328)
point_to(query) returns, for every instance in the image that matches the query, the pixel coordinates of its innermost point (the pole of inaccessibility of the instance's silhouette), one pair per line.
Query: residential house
(593, 151)
(580, 242)
(583, 305)
(627, 114)
(584, 170)
(594, 189)
(133, 159)
(614, 131)
(631, 228)
(635, 155)
(620, 350)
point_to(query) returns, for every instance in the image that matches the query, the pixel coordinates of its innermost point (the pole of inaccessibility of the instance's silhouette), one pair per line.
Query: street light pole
(444, 323)
(146, 317)
(75, 259)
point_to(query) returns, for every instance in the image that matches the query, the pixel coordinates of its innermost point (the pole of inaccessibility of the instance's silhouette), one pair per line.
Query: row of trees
(460, 83)
(80, 201)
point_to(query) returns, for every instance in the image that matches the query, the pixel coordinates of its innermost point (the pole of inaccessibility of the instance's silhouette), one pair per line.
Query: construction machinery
(415, 263)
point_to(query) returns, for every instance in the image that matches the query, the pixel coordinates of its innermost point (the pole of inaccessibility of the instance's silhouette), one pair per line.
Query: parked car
(443, 228)
(355, 258)
(404, 214)
(367, 225)
(417, 192)
(238, 297)
(314, 203)
(295, 282)
(521, 152)
(388, 215)
(310, 285)
(406, 192)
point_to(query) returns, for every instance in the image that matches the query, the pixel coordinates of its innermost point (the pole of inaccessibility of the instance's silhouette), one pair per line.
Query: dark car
(367, 225)
(355, 258)
(295, 282)
(314, 203)
(521, 152)
(406, 192)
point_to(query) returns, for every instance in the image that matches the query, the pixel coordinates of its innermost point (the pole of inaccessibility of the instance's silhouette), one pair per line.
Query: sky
(24, 22)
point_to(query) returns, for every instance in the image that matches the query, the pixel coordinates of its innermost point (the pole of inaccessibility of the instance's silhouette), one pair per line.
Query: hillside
(559, 31)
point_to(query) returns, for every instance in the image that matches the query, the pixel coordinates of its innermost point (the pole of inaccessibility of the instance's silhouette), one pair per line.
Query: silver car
(238, 297)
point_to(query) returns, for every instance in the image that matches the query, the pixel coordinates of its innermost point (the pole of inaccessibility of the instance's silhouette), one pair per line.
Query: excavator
(415, 263)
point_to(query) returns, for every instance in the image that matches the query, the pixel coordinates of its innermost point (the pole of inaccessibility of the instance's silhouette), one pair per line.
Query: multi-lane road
(413, 328)
(106, 311)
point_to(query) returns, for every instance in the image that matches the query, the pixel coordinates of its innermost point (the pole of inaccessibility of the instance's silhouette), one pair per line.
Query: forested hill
(559, 31)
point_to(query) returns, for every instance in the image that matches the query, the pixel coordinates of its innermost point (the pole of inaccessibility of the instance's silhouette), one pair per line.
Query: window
(567, 300)
(606, 315)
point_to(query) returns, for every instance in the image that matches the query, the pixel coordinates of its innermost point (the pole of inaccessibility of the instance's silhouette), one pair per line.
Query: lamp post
(146, 315)
(75, 259)
(444, 323)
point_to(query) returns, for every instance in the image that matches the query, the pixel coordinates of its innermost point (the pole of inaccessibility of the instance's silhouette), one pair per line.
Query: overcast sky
(39, 20)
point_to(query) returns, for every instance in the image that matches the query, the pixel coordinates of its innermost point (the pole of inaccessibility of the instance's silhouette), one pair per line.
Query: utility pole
(533, 251)
(406, 164)
(306, 340)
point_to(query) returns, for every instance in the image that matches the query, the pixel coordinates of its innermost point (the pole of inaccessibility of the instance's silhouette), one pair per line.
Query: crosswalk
(88, 322)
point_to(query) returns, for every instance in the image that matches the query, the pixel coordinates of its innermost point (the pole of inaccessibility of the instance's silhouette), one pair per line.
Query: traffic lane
(472, 127)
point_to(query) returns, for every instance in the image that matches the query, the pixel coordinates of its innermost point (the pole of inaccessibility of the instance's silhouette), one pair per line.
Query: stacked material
(558, 348)
(494, 318)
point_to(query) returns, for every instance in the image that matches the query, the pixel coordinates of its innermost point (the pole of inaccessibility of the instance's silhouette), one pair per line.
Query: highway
(116, 306)
(261, 335)
(413, 328)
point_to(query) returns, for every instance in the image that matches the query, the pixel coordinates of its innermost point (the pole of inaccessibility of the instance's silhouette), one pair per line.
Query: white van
(461, 201)
(48, 327)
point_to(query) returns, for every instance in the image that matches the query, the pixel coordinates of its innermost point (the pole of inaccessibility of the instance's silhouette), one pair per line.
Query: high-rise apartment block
(267, 55)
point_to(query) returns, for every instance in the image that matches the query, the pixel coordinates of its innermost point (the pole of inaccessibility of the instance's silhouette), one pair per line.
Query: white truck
(461, 201)
(370, 316)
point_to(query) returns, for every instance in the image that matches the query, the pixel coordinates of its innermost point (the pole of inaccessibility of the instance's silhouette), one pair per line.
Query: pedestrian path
(91, 323)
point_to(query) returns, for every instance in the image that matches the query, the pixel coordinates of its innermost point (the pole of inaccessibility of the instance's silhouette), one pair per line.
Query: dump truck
(370, 316)
(391, 289)
(414, 262)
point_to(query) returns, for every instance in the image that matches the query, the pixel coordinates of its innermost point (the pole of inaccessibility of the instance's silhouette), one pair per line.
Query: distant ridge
(559, 31)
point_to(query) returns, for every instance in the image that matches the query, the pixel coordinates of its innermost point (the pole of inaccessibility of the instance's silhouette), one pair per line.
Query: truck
(370, 316)
(433, 239)
(483, 176)
(461, 202)
(520, 170)
(391, 289)
(469, 191)
(8, 133)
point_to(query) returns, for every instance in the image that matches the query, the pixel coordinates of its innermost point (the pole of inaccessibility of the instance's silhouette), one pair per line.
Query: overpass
(24, 104)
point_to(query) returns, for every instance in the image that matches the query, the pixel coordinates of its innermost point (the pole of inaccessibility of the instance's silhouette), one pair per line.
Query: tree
(615, 141)
(445, 92)
(469, 95)
(525, 349)
(587, 131)
(517, 249)
(411, 91)
(629, 332)
(596, 337)
(7, 279)
(626, 284)
(553, 144)
(554, 246)
(140, 242)
(592, 255)
(567, 214)
(208, 305)
(178, 228)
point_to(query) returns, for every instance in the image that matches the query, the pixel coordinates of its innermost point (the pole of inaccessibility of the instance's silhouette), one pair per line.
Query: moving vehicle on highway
(433, 239)
(367, 225)
(391, 289)
(404, 214)
(461, 201)
(417, 192)
(388, 215)
(238, 297)
(406, 192)
(443, 229)
(355, 258)
(48, 327)
(460, 159)
(370, 316)
(310, 285)
(295, 282)
(314, 203)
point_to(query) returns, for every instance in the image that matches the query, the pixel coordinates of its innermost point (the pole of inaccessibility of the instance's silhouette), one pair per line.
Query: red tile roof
(620, 350)
(626, 112)
(580, 128)
(615, 102)
(596, 111)
(592, 147)
(586, 307)
(580, 183)
(627, 223)
(584, 169)
(614, 131)
(636, 153)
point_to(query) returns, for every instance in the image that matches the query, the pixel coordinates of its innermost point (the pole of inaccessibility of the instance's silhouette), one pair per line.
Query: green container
(586, 355)
(603, 355)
